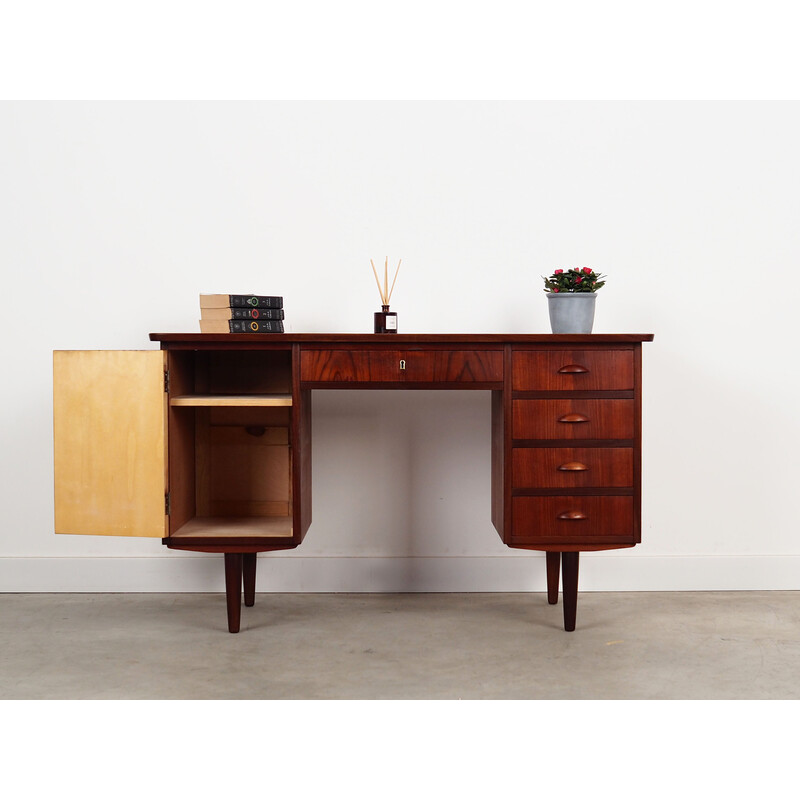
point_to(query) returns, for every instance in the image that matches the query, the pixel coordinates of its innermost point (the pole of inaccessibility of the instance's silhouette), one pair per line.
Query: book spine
(256, 313)
(255, 326)
(255, 301)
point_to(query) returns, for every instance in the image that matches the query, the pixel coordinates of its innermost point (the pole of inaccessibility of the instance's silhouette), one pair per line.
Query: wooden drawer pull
(572, 369)
(572, 515)
(573, 466)
(573, 418)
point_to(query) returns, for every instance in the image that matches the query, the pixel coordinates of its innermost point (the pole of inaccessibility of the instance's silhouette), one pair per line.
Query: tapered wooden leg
(249, 573)
(233, 589)
(569, 574)
(553, 565)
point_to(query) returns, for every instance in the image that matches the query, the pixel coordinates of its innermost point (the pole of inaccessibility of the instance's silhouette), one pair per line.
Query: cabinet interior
(230, 443)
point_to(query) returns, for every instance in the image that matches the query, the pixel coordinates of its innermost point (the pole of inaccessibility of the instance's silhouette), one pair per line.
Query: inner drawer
(409, 366)
(570, 418)
(570, 467)
(571, 370)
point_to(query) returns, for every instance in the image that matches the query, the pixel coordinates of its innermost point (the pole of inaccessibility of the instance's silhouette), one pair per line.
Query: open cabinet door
(109, 420)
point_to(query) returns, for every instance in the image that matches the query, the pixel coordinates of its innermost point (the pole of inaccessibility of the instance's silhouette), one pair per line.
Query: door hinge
(166, 380)
(167, 503)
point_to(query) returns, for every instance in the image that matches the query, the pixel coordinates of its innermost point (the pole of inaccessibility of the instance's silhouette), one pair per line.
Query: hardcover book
(240, 326)
(241, 313)
(240, 301)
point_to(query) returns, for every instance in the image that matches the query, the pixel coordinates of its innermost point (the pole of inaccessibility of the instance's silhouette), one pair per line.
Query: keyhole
(402, 363)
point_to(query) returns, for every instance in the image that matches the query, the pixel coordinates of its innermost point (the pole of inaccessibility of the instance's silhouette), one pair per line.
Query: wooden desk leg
(569, 574)
(233, 589)
(249, 573)
(553, 565)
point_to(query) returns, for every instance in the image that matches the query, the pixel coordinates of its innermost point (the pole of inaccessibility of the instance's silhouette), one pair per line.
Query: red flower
(556, 290)
(558, 272)
(587, 270)
(578, 280)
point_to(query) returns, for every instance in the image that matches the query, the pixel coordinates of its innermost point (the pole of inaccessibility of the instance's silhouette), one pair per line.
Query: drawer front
(392, 366)
(573, 419)
(572, 520)
(570, 467)
(571, 370)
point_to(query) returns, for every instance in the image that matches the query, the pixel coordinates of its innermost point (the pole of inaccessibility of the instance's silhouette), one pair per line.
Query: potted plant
(571, 298)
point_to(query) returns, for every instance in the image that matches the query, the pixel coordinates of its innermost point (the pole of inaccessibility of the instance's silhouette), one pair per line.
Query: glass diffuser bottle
(385, 320)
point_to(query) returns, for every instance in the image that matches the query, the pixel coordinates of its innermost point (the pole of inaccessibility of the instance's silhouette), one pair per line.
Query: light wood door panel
(109, 420)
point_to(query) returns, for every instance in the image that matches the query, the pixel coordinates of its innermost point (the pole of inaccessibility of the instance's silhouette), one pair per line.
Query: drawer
(406, 366)
(572, 520)
(570, 467)
(573, 419)
(571, 370)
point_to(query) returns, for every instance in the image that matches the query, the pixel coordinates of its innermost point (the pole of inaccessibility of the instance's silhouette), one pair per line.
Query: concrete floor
(627, 645)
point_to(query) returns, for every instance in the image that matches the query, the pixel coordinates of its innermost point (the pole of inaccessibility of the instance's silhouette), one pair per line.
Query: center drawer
(401, 366)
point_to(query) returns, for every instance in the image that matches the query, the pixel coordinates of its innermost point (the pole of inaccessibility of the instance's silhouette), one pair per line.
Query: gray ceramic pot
(571, 312)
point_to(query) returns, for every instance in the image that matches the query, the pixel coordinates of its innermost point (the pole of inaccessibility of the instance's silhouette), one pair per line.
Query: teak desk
(206, 443)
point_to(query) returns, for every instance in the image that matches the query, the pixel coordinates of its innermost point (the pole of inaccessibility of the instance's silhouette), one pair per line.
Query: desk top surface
(403, 338)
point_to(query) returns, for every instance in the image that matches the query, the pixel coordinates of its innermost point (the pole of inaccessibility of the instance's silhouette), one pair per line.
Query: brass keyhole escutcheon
(402, 363)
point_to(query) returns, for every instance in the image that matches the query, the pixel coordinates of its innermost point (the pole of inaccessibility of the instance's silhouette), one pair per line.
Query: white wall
(113, 216)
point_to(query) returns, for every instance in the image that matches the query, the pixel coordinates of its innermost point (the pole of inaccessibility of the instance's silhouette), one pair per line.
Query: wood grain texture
(248, 475)
(425, 366)
(558, 467)
(572, 370)
(249, 545)
(547, 519)
(109, 421)
(301, 451)
(498, 462)
(234, 528)
(181, 430)
(240, 372)
(507, 441)
(277, 341)
(606, 419)
(232, 400)
(637, 452)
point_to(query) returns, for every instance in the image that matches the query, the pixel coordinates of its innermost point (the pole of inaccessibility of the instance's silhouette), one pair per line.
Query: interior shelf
(214, 527)
(213, 400)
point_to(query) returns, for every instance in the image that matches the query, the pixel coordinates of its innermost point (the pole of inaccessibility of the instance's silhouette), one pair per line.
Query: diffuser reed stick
(380, 291)
(384, 291)
(389, 296)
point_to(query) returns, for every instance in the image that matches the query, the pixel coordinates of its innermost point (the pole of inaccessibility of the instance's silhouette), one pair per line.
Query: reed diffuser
(385, 320)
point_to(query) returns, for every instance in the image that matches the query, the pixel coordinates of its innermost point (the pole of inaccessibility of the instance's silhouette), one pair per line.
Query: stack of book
(240, 313)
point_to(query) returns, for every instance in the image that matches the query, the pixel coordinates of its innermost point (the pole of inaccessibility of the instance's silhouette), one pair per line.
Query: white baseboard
(599, 572)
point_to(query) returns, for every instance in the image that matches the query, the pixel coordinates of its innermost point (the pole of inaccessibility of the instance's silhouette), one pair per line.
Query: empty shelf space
(214, 527)
(231, 400)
